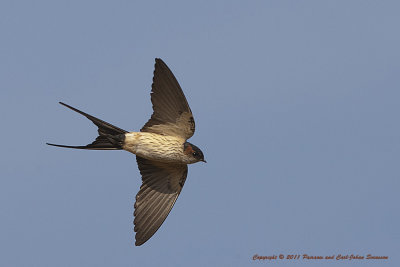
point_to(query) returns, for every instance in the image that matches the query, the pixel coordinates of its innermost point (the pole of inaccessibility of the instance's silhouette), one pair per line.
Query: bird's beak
(204, 161)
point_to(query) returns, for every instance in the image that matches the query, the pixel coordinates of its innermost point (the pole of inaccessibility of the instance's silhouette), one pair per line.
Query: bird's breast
(155, 146)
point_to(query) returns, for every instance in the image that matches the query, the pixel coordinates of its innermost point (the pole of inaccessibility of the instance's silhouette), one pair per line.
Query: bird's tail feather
(110, 137)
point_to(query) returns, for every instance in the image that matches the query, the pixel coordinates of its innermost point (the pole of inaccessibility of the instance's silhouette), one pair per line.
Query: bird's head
(193, 153)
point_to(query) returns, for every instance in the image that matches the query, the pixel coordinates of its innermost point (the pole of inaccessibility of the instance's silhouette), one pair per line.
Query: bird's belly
(154, 146)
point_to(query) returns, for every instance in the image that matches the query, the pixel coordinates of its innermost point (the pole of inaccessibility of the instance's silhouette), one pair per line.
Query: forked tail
(110, 137)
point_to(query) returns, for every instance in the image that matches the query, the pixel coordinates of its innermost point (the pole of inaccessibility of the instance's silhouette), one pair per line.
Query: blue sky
(297, 112)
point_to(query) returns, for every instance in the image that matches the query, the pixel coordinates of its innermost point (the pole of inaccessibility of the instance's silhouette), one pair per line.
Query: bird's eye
(194, 154)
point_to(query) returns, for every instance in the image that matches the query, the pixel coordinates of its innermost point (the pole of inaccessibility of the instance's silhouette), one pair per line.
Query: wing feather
(162, 184)
(171, 111)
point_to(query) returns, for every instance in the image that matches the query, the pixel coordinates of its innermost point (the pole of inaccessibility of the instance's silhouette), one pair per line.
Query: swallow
(161, 149)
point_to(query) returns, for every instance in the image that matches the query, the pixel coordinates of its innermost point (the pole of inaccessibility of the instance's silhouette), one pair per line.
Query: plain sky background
(297, 112)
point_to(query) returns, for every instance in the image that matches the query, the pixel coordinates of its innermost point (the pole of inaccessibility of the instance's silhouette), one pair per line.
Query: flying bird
(161, 149)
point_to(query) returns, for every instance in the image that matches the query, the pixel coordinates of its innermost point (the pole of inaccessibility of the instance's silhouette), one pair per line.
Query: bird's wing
(172, 114)
(161, 186)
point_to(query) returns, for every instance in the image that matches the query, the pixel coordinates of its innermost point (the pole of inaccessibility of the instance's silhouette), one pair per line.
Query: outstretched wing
(172, 114)
(161, 186)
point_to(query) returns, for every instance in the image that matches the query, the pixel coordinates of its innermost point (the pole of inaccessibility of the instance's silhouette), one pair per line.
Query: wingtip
(138, 243)
(159, 61)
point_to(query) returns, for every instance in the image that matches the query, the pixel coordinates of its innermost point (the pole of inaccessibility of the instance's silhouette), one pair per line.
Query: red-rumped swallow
(162, 152)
